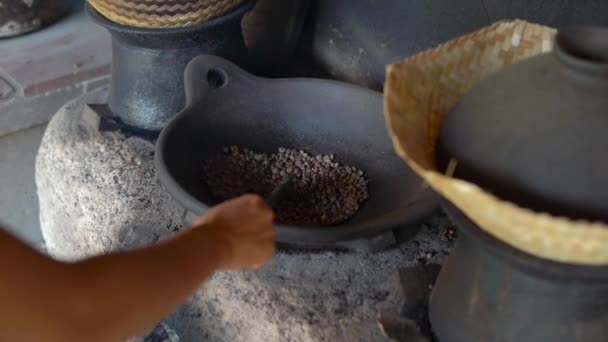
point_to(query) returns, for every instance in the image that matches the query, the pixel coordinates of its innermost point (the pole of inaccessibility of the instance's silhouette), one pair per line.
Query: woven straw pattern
(421, 89)
(162, 13)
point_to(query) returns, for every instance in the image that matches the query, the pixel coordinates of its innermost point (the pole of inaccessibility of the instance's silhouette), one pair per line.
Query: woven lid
(422, 89)
(162, 13)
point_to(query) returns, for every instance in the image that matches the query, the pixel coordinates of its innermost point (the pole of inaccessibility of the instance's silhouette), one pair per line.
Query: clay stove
(99, 192)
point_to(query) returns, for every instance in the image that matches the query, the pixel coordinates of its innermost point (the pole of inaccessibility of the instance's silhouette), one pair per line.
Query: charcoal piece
(162, 333)
(400, 329)
(416, 284)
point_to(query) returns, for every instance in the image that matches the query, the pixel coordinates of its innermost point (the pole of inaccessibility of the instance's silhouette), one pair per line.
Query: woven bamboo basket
(162, 13)
(421, 89)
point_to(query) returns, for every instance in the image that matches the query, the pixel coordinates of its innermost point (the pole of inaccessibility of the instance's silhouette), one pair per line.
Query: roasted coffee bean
(325, 192)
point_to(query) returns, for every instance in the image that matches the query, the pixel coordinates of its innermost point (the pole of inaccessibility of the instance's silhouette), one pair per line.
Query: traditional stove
(99, 192)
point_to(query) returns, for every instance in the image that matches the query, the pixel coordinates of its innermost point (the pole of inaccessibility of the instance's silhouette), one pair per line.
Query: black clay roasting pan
(226, 106)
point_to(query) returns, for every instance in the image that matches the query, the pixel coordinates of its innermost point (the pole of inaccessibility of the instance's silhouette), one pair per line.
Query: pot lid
(535, 132)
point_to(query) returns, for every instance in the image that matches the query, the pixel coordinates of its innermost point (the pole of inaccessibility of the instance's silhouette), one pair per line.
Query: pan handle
(208, 77)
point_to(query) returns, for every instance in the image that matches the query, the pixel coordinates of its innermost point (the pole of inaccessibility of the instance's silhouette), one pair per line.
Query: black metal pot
(21, 16)
(227, 106)
(147, 87)
(490, 291)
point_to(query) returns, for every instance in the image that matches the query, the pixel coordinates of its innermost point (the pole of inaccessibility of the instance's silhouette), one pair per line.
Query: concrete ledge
(41, 71)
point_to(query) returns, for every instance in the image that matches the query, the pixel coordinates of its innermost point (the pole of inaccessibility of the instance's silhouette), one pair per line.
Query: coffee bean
(326, 193)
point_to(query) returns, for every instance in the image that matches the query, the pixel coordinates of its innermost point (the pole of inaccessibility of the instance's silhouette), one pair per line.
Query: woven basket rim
(540, 234)
(155, 24)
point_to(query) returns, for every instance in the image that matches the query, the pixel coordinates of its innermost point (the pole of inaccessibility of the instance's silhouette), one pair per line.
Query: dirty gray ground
(18, 201)
(308, 297)
(98, 192)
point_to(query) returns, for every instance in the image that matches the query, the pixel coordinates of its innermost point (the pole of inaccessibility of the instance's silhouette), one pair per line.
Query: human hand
(245, 227)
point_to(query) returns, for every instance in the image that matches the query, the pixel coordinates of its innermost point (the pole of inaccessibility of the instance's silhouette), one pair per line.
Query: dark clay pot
(147, 87)
(490, 291)
(354, 40)
(534, 134)
(272, 33)
(227, 106)
(22, 16)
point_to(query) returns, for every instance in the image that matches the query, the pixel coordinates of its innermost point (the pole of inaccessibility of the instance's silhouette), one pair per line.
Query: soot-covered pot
(533, 134)
(355, 39)
(151, 52)
(22, 16)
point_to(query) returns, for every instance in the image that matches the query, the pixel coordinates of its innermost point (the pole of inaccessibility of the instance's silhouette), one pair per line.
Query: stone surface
(41, 71)
(98, 193)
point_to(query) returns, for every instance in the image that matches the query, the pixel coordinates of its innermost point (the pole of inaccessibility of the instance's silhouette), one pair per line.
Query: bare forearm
(107, 298)
(32, 294)
(143, 287)
(113, 297)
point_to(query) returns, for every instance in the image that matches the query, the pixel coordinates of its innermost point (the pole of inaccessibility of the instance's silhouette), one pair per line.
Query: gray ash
(324, 192)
